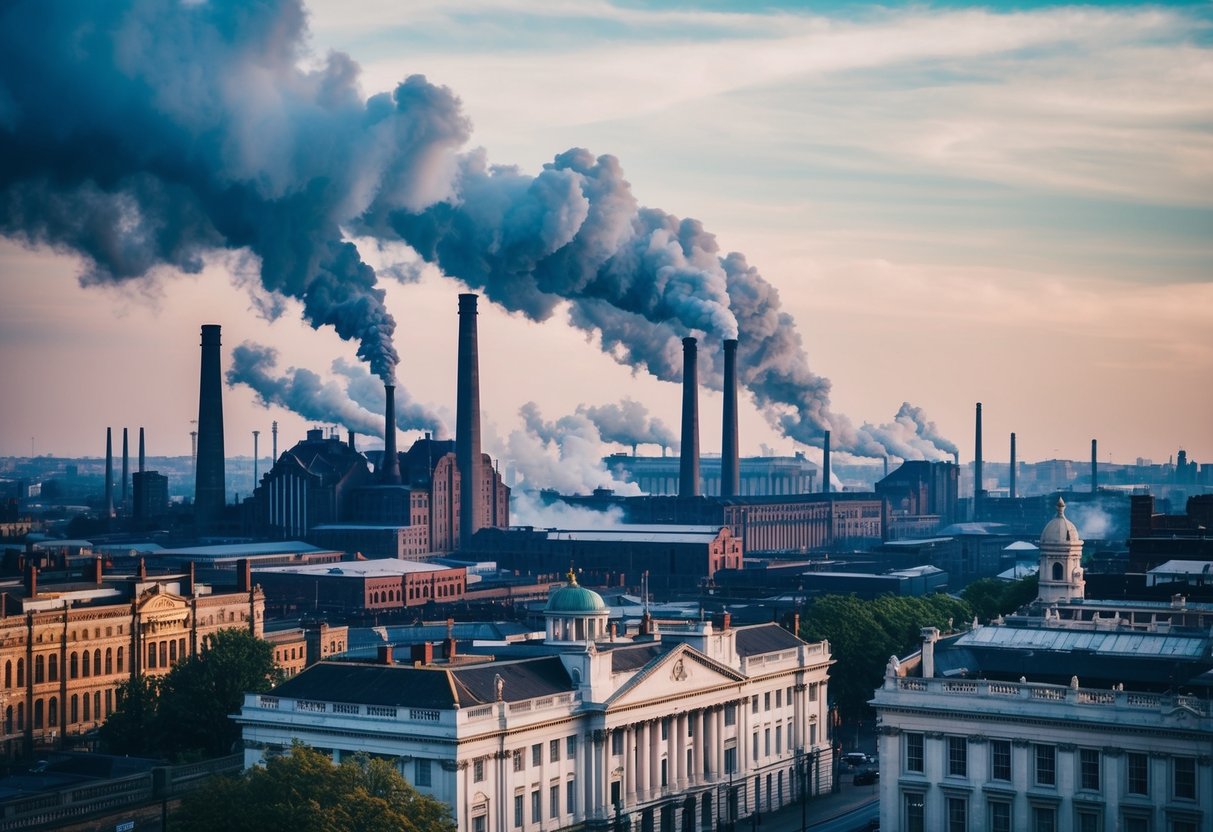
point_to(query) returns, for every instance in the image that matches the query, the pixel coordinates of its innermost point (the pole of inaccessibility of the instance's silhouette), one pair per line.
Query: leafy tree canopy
(304, 791)
(186, 714)
(991, 598)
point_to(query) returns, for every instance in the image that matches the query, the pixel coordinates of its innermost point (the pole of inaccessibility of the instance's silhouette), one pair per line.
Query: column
(642, 767)
(679, 771)
(589, 776)
(655, 757)
(629, 765)
(704, 754)
(718, 745)
(602, 784)
(695, 772)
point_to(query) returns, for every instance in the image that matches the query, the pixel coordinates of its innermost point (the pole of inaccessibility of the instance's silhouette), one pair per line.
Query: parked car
(855, 758)
(867, 778)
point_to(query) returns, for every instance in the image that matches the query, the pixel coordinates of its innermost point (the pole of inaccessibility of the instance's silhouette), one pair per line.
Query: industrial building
(922, 498)
(357, 586)
(758, 475)
(688, 727)
(1073, 714)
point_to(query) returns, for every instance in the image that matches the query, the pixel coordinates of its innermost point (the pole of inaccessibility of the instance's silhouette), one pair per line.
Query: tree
(991, 597)
(303, 791)
(863, 634)
(187, 713)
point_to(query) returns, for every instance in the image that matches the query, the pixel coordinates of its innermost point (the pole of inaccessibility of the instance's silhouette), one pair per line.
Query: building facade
(680, 730)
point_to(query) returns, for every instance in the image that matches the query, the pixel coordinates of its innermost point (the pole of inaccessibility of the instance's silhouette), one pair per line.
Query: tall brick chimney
(390, 468)
(825, 464)
(209, 485)
(1014, 467)
(977, 471)
(730, 460)
(688, 469)
(467, 421)
(109, 473)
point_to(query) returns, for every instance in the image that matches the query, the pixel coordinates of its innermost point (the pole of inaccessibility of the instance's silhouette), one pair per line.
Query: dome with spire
(1060, 531)
(574, 599)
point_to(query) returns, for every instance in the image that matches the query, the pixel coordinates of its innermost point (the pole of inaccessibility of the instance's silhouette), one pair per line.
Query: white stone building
(675, 730)
(1076, 715)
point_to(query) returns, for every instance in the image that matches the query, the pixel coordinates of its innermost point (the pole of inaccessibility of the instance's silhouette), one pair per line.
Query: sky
(1006, 203)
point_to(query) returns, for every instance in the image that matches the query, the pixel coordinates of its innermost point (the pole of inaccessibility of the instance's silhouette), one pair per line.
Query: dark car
(867, 778)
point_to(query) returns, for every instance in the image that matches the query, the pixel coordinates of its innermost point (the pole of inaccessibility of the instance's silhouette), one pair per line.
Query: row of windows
(46, 712)
(519, 759)
(1041, 817)
(554, 812)
(1090, 765)
(79, 665)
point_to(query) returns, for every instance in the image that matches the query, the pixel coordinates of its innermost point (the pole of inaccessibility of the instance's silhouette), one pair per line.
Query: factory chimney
(977, 473)
(389, 469)
(126, 471)
(209, 483)
(730, 460)
(1094, 468)
(274, 431)
(688, 469)
(142, 459)
(467, 421)
(109, 473)
(350, 440)
(1014, 467)
(825, 465)
(256, 456)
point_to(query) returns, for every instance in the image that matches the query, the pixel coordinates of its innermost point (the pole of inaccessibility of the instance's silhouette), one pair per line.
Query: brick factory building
(357, 586)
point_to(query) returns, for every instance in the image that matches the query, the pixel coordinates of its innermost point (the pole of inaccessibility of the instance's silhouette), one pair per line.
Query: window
(1046, 765)
(421, 773)
(478, 771)
(554, 751)
(52, 668)
(755, 750)
(665, 772)
(1088, 821)
(616, 743)
(958, 757)
(479, 823)
(1000, 816)
(913, 746)
(730, 761)
(1139, 773)
(914, 813)
(778, 739)
(813, 692)
(554, 802)
(570, 747)
(766, 701)
(766, 736)
(1184, 769)
(535, 807)
(518, 760)
(958, 814)
(779, 699)
(730, 714)
(1044, 819)
(536, 754)
(1000, 759)
(1135, 823)
(1088, 769)
(570, 797)
(517, 811)
(753, 704)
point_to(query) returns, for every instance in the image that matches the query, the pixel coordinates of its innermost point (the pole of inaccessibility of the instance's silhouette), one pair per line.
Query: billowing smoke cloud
(148, 133)
(629, 423)
(528, 509)
(304, 392)
(911, 435)
(565, 455)
(367, 391)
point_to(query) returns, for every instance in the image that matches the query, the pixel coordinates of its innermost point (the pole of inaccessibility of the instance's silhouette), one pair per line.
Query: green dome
(572, 598)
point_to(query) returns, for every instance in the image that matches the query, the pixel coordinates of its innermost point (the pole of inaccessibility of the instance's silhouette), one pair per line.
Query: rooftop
(376, 568)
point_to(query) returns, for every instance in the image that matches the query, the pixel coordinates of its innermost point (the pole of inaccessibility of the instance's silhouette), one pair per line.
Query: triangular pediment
(681, 672)
(158, 602)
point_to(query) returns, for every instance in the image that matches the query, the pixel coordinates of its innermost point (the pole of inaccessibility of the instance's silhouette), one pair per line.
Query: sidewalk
(819, 809)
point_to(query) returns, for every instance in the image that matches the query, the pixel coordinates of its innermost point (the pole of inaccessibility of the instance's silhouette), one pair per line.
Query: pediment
(681, 672)
(161, 602)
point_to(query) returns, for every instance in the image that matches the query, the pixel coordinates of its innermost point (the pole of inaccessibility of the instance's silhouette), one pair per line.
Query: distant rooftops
(377, 568)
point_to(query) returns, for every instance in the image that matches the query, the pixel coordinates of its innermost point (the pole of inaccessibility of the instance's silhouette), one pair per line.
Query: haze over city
(955, 204)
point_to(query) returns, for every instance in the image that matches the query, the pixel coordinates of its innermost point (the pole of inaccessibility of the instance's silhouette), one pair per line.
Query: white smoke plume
(528, 509)
(565, 455)
(629, 423)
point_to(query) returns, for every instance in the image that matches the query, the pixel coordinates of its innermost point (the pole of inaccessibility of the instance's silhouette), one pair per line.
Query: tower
(467, 422)
(730, 462)
(1061, 575)
(209, 484)
(688, 468)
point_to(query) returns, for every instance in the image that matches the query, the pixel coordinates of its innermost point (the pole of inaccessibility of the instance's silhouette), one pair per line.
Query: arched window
(97, 705)
(37, 714)
(20, 673)
(73, 666)
(52, 712)
(85, 664)
(75, 712)
(164, 654)
(8, 720)
(20, 716)
(52, 668)
(97, 662)
(1058, 572)
(109, 660)
(8, 675)
(39, 669)
(88, 711)
(181, 648)
(119, 659)
(172, 651)
(151, 654)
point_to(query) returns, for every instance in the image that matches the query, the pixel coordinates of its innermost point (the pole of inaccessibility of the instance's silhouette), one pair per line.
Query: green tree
(991, 597)
(187, 713)
(304, 791)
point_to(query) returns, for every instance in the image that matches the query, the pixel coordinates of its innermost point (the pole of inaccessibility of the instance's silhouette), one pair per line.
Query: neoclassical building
(66, 646)
(1073, 715)
(677, 729)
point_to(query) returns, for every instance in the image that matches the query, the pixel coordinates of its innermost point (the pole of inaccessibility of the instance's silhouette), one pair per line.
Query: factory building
(922, 496)
(1073, 714)
(358, 586)
(66, 646)
(758, 475)
(690, 726)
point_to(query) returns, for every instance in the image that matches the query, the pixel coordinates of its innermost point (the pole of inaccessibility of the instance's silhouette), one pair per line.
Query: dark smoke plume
(148, 133)
(366, 391)
(302, 391)
(629, 423)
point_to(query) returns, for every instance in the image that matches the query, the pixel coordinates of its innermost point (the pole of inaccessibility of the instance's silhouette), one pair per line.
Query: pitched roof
(764, 638)
(635, 656)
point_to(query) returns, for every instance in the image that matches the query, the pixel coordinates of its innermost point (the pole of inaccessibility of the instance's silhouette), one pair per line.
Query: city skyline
(956, 204)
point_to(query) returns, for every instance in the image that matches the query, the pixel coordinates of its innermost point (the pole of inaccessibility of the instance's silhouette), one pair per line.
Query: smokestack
(977, 473)
(109, 473)
(886, 465)
(256, 455)
(126, 470)
(389, 472)
(98, 571)
(1014, 467)
(274, 431)
(209, 483)
(31, 581)
(1094, 468)
(688, 470)
(350, 441)
(730, 461)
(825, 465)
(141, 454)
(467, 421)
